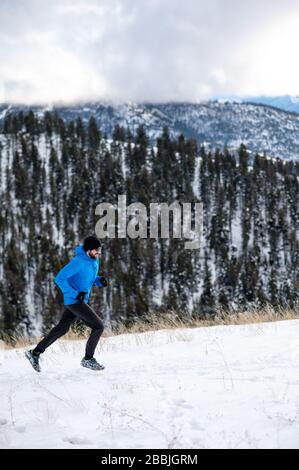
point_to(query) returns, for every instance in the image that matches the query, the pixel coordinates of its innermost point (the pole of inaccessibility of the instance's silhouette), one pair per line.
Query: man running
(75, 280)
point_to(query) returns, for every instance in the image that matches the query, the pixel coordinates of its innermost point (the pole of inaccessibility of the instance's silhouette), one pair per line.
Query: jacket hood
(82, 253)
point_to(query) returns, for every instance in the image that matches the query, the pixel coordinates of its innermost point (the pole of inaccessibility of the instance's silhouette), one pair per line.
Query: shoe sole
(93, 368)
(28, 356)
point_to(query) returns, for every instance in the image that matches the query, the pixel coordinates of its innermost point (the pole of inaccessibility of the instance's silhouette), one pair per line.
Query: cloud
(146, 50)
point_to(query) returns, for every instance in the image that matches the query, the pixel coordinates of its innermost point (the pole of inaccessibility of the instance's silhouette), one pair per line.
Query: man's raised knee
(99, 326)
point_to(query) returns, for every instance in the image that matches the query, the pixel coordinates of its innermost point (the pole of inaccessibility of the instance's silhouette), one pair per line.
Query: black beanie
(91, 243)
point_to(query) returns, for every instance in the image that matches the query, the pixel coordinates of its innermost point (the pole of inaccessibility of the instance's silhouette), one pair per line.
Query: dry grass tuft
(171, 320)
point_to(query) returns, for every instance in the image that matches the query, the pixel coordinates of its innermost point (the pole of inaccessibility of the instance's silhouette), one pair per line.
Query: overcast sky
(147, 50)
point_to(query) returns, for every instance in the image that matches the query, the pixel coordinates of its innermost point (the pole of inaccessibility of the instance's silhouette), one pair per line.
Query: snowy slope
(213, 123)
(227, 387)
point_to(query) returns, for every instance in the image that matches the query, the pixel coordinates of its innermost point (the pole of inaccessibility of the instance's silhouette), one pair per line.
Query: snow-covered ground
(217, 387)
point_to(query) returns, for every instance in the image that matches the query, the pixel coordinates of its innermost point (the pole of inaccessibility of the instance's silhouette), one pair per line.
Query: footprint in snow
(183, 404)
(77, 441)
(20, 429)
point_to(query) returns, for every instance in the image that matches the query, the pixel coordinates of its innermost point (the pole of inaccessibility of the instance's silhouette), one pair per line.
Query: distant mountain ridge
(287, 103)
(219, 123)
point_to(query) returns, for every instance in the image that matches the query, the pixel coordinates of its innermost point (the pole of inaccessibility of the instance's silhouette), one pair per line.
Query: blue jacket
(79, 275)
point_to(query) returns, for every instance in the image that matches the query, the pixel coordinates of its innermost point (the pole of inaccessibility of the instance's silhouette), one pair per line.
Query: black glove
(81, 296)
(103, 281)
